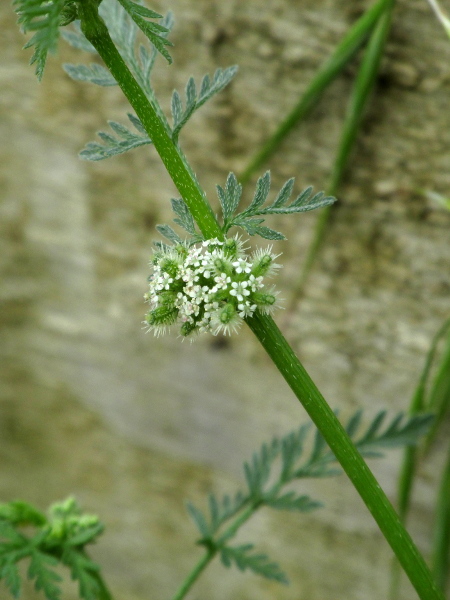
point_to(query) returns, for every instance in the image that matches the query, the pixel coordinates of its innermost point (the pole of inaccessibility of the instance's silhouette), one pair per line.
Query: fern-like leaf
(169, 233)
(208, 88)
(291, 449)
(199, 519)
(125, 140)
(184, 217)
(229, 196)
(153, 31)
(44, 17)
(83, 570)
(77, 39)
(44, 576)
(402, 431)
(260, 564)
(251, 219)
(257, 471)
(93, 73)
(290, 501)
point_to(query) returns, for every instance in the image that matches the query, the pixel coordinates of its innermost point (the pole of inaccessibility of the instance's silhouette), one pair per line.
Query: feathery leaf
(208, 88)
(94, 73)
(44, 17)
(258, 563)
(125, 140)
(153, 31)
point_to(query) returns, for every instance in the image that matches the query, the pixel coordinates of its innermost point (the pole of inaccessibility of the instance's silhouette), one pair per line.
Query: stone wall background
(133, 425)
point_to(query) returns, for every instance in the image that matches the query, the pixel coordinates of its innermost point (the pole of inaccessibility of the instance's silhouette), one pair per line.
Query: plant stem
(95, 30)
(194, 574)
(263, 326)
(441, 529)
(348, 456)
(346, 49)
(361, 93)
(230, 531)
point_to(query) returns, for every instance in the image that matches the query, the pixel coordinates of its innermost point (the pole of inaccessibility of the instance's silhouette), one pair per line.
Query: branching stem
(96, 32)
(262, 326)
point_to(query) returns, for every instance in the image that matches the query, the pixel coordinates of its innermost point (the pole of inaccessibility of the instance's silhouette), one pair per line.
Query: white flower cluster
(208, 287)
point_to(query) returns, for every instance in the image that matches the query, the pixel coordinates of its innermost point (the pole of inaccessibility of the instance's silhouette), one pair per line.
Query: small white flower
(240, 290)
(242, 266)
(246, 309)
(222, 281)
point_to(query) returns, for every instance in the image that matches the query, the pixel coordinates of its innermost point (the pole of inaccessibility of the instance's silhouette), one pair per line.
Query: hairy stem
(95, 30)
(346, 453)
(263, 326)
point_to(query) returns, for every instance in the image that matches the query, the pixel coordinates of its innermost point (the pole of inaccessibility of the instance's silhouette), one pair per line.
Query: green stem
(441, 529)
(411, 455)
(263, 326)
(361, 93)
(346, 49)
(348, 456)
(211, 552)
(194, 574)
(95, 30)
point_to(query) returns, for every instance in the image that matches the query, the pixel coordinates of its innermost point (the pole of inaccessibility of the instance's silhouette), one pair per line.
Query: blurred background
(133, 425)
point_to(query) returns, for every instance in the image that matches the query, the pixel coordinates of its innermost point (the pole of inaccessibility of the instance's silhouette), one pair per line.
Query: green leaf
(153, 31)
(264, 232)
(45, 578)
(9, 573)
(290, 501)
(258, 563)
(319, 200)
(93, 73)
(76, 39)
(112, 146)
(284, 194)
(230, 196)
(169, 233)
(84, 571)
(257, 471)
(208, 89)
(199, 520)
(252, 225)
(222, 510)
(292, 446)
(402, 431)
(44, 18)
(185, 219)
(261, 193)
(85, 535)
(21, 513)
(353, 423)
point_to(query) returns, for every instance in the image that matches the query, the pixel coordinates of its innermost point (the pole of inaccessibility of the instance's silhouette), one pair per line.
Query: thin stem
(361, 93)
(213, 550)
(194, 574)
(348, 456)
(182, 175)
(262, 325)
(346, 49)
(441, 530)
(411, 455)
(442, 17)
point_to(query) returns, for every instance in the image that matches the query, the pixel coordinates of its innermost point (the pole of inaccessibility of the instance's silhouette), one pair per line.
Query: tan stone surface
(134, 425)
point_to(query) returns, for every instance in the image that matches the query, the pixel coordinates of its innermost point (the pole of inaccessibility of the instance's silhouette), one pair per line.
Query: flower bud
(261, 266)
(262, 299)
